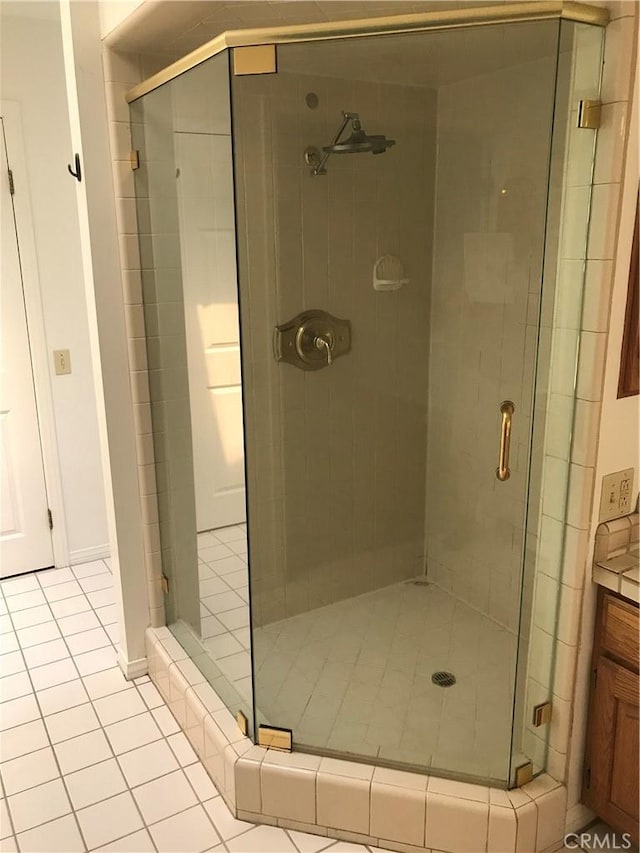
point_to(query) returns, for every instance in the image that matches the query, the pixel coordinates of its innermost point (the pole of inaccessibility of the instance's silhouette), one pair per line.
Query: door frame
(11, 113)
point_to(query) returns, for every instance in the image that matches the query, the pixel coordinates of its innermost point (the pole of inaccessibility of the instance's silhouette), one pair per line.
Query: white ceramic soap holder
(388, 273)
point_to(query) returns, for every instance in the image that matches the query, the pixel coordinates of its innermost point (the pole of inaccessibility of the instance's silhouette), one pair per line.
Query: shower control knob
(312, 340)
(326, 345)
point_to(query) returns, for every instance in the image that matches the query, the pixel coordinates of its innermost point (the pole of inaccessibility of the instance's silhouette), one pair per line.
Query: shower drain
(443, 679)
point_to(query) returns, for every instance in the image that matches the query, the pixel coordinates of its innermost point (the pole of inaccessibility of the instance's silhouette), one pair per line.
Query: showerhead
(358, 142)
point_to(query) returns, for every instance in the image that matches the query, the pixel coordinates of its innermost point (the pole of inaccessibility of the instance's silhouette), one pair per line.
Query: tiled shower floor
(355, 676)
(90, 761)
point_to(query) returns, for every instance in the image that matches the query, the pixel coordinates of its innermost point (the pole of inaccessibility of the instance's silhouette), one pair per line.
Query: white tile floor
(90, 761)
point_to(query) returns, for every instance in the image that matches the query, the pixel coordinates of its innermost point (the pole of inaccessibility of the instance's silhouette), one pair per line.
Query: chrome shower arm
(347, 117)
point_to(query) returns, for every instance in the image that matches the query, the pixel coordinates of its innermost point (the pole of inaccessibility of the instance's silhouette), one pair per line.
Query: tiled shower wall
(152, 121)
(557, 395)
(121, 72)
(336, 457)
(592, 322)
(489, 243)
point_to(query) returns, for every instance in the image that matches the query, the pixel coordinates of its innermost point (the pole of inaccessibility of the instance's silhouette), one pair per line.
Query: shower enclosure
(391, 399)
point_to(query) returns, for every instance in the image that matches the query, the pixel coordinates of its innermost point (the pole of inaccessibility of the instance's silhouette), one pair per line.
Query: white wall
(33, 75)
(619, 443)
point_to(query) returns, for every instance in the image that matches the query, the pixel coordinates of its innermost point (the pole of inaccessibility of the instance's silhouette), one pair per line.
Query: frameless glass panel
(553, 531)
(185, 206)
(386, 556)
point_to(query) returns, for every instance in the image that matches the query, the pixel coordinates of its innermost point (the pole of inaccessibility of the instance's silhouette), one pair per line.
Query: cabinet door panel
(624, 771)
(613, 789)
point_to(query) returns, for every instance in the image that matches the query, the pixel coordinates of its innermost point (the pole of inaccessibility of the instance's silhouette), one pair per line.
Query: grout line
(3, 793)
(110, 747)
(133, 684)
(101, 727)
(55, 758)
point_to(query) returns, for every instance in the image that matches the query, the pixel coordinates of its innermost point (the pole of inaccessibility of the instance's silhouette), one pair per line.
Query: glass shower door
(389, 304)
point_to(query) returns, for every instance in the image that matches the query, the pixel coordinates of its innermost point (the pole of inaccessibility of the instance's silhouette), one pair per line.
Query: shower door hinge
(524, 774)
(255, 59)
(164, 581)
(272, 737)
(542, 714)
(50, 518)
(589, 114)
(134, 159)
(12, 186)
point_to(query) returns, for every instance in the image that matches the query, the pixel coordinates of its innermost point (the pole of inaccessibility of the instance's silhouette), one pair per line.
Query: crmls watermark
(604, 841)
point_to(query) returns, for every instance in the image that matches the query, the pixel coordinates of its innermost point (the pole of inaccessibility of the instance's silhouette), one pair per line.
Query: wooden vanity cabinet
(610, 784)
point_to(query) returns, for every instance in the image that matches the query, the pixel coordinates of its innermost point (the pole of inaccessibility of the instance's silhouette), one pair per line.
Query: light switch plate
(617, 494)
(62, 361)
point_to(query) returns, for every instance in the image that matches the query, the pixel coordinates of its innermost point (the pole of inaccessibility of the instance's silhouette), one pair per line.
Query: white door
(25, 538)
(207, 239)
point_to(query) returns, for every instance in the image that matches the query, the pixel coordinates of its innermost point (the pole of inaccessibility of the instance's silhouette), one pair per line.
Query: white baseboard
(88, 555)
(132, 668)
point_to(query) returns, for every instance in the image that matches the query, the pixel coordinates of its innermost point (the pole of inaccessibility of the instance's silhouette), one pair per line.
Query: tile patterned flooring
(221, 650)
(355, 676)
(90, 761)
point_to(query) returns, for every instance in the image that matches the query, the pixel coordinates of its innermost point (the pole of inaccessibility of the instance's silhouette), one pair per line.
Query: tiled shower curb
(343, 799)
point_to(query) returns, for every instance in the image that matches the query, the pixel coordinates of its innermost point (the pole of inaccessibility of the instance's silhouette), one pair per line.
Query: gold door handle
(502, 471)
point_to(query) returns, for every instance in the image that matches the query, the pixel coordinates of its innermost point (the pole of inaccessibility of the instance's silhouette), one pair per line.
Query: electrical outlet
(617, 492)
(62, 361)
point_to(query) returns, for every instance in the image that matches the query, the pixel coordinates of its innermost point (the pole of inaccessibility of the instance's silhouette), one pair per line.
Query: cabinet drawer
(620, 627)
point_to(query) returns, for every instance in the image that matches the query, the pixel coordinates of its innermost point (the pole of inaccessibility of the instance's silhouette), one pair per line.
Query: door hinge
(243, 723)
(587, 778)
(165, 584)
(542, 714)
(273, 737)
(589, 113)
(134, 160)
(50, 517)
(12, 186)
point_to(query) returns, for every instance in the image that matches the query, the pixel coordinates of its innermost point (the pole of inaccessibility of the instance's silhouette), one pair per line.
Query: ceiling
(176, 27)
(169, 29)
(36, 9)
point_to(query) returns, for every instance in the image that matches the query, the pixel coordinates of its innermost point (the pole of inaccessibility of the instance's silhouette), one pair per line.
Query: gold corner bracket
(256, 59)
(524, 774)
